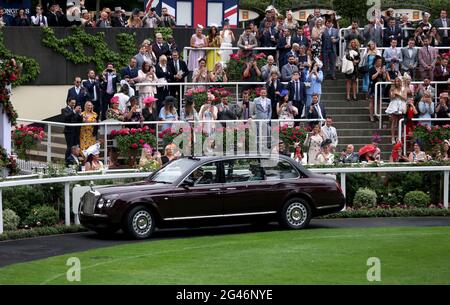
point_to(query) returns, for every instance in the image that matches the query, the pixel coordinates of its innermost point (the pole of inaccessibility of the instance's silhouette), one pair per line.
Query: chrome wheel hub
(296, 214)
(142, 222)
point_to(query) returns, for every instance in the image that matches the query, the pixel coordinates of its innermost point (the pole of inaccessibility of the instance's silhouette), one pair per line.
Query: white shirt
(39, 20)
(444, 24)
(264, 103)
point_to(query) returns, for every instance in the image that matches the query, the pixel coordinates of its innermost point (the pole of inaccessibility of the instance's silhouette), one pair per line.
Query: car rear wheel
(140, 223)
(296, 214)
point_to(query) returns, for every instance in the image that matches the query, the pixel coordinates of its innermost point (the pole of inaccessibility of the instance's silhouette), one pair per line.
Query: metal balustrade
(68, 180)
(378, 97)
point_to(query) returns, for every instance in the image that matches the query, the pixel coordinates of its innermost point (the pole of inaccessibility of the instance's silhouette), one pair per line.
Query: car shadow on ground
(201, 231)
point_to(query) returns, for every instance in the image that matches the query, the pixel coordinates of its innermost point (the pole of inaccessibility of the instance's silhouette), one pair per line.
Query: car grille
(88, 202)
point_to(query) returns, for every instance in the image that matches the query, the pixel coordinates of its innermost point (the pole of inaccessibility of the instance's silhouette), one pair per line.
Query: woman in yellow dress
(214, 41)
(87, 136)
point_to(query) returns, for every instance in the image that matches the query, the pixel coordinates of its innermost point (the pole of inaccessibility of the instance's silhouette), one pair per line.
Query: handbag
(347, 66)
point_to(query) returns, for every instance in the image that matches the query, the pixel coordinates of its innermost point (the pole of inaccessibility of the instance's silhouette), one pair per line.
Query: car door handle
(216, 189)
(231, 188)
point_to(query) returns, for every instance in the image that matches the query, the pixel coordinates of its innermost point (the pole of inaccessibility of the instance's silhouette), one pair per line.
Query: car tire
(139, 223)
(296, 214)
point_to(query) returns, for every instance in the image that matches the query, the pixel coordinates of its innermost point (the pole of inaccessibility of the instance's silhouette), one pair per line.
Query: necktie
(177, 67)
(444, 24)
(297, 90)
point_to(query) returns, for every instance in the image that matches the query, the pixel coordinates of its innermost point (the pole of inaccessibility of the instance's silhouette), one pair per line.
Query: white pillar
(5, 131)
(67, 203)
(344, 189)
(1, 212)
(446, 174)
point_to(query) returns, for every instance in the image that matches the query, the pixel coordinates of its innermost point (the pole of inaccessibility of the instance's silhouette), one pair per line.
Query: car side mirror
(187, 183)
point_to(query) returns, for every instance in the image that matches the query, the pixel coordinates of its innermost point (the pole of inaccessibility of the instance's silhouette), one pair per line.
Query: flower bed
(131, 140)
(236, 65)
(26, 138)
(292, 135)
(8, 162)
(431, 136)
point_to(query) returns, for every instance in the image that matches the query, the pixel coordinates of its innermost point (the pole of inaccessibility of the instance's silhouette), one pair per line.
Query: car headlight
(101, 203)
(107, 203)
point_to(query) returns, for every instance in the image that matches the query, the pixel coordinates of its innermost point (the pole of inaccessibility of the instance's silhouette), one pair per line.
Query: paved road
(18, 251)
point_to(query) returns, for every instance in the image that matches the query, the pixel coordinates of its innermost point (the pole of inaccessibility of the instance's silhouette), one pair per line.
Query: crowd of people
(54, 16)
(301, 56)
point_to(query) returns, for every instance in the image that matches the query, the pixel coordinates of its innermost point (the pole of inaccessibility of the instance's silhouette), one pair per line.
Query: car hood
(131, 188)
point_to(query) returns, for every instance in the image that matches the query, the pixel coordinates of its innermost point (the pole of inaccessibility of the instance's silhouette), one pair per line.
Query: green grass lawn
(315, 256)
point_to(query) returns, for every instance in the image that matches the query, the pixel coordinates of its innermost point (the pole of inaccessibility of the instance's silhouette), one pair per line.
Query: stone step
(346, 110)
(361, 132)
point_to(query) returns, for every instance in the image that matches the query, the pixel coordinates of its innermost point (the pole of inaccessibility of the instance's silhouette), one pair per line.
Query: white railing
(402, 131)
(213, 84)
(68, 180)
(186, 49)
(107, 124)
(378, 97)
(342, 42)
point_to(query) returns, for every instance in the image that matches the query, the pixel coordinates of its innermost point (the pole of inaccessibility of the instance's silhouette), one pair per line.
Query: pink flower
(141, 141)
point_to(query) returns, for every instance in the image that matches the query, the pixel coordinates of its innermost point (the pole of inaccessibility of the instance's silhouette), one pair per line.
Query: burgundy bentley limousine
(213, 190)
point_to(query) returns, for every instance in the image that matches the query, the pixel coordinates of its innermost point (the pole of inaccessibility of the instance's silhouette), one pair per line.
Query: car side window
(278, 170)
(205, 174)
(243, 170)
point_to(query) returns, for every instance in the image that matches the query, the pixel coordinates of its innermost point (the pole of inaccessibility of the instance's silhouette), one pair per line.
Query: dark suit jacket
(291, 88)
(8, 20)
(71, 117)
(104, 83)
(70, 160)
(315, 114)
(438, 23)
(132, 73)
(161, 74)
(389, 34)
(265, 40)
(302, 41)
(81, 98)
(117, 22)
(164, 50)
(283, 51)
(183, 67)
(271, 92)
(90, 87)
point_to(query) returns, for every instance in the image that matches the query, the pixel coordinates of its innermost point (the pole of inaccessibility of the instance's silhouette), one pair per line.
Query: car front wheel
(140, 223)
(296, 214)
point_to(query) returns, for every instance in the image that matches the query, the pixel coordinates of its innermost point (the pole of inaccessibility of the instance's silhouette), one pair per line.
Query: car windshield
(173, 171)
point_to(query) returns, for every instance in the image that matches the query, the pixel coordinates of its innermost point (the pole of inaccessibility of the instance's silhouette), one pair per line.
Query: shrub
(417, 199)
(365, 198)
(10, 220)
(42, 216)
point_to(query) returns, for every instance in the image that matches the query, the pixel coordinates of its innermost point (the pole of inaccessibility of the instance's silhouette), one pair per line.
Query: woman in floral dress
(87, 137)
(313, 141)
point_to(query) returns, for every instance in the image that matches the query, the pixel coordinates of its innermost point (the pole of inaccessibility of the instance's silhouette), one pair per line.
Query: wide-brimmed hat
(169, 100)
(149, 99)
(325, 143)
(114, 100)
(367, 149)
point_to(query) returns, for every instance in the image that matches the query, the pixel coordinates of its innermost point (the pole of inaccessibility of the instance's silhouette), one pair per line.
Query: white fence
(342, 41)
(107, 128)
(378, 97)
(343, 171)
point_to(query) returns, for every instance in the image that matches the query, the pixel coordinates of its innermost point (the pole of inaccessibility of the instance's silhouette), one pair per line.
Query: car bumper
(96, 221)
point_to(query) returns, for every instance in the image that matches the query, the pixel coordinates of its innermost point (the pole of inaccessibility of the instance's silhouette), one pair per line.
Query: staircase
(351, 119)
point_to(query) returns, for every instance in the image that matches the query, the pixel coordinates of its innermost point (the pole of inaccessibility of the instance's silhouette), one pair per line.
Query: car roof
(221, 158)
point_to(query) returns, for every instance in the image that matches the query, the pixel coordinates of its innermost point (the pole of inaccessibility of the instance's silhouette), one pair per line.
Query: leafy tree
(351, 9)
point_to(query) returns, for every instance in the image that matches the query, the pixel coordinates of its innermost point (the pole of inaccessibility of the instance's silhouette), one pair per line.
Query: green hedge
(391, 188)
(43, 231)
(393, 212)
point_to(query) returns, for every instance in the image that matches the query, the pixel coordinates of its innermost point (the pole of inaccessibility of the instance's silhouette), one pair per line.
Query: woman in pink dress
(198, 40)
